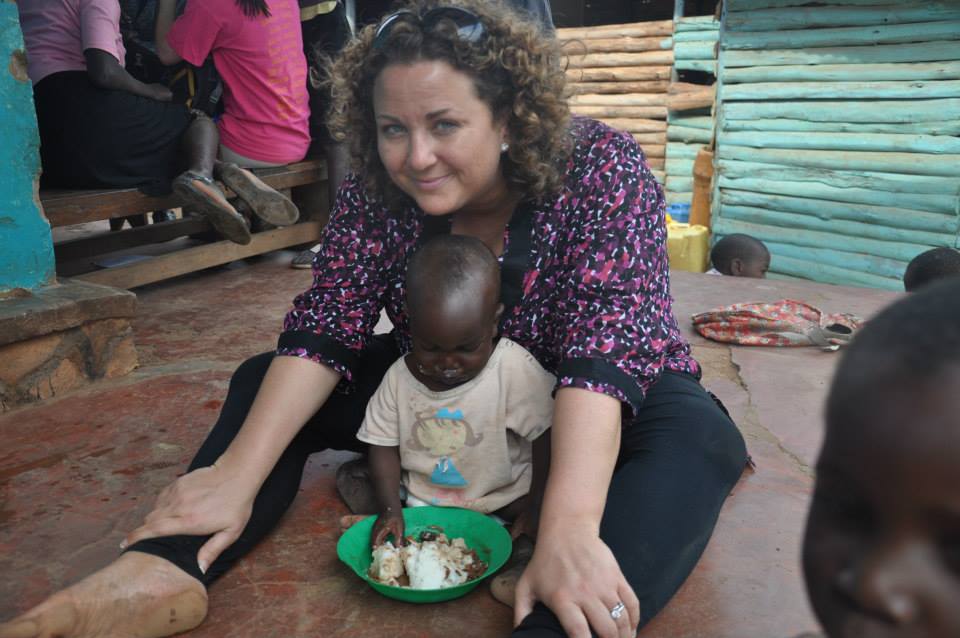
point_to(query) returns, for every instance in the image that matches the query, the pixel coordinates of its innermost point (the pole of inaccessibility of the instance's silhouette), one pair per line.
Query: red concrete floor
(78, 471)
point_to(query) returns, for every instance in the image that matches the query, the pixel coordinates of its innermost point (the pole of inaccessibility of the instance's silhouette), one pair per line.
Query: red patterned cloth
(779, 323)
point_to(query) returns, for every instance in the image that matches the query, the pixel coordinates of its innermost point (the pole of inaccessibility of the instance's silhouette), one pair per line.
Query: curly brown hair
(516, 70)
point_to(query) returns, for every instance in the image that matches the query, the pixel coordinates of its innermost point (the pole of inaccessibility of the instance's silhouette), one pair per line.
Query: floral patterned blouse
(585, 276)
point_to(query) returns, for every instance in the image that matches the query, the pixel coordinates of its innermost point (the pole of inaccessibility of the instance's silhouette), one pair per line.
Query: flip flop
(201, 194)
(264, 201)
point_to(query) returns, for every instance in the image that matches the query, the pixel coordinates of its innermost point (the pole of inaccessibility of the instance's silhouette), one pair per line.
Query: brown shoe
(198, 193)
(268, 204)
(355, 487)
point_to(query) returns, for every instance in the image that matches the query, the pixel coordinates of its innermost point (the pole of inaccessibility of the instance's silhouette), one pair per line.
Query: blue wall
(26, 246)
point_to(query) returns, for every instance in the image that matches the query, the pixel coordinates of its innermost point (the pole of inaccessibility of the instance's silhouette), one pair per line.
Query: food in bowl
(431, 561)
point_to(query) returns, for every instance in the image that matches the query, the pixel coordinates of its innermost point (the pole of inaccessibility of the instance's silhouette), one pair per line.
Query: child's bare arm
(385, 473)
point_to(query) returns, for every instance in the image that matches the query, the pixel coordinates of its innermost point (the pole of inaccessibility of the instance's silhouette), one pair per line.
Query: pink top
(264, 73)
(57, 32)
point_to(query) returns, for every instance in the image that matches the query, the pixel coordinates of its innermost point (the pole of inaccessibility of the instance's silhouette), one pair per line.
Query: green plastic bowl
(480, 532)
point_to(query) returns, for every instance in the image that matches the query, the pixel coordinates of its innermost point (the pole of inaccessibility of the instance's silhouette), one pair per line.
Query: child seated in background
(881, 552)
(740, 255)
(461, 419)
(929, 266)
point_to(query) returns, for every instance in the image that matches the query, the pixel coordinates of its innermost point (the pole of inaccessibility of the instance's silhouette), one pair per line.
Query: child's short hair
(449, 264)
(930, 265)
(915, 338)
(736, 246)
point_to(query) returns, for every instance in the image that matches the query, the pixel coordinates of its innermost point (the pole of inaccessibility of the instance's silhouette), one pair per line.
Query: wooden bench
(305, 180)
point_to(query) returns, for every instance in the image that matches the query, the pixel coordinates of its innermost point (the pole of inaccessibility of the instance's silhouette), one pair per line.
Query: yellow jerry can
(688, 246)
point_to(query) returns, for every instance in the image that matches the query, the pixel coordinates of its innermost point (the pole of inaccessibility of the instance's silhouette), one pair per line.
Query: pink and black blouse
(585, 275)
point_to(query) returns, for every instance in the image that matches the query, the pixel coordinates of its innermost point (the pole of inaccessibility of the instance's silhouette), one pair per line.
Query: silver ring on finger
(618, 610)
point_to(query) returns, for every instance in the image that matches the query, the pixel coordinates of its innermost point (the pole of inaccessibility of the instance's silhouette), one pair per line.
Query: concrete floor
(78, 471)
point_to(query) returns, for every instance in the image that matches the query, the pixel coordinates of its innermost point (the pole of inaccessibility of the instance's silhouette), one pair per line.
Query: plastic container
(679, 212)
(480, 532)
(688, 246)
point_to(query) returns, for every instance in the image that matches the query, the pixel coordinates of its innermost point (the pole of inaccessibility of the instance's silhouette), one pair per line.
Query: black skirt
(95, 138)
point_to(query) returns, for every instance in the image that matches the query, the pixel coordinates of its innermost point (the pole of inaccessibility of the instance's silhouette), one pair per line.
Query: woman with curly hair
(457, 123)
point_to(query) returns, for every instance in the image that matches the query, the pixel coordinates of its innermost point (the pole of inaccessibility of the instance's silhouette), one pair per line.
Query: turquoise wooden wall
(837, 134)
(26, 246)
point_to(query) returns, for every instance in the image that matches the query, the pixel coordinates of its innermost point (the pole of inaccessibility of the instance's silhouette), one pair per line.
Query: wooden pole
(637, 125)
(633, 30)
(648, 58)
(842, 36)
(909, 163)
(779, 19)
(650, 86)
(628, 99)
(909, 71)
(912, 52)
(616, 45)
(846, 90)
(683, 96)
(602, 112)
(619, 74)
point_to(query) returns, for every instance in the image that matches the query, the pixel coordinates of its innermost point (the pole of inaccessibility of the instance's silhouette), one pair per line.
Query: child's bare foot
(136, 596)
(346, 522)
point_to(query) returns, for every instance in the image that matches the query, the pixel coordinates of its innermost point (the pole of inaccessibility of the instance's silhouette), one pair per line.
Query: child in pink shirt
(258, 50)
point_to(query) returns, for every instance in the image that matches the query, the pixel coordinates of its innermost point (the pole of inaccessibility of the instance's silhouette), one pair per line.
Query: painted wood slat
(688, 134)
(944, 204)
(889, 249)
(825, 273)
(673, 197)
(682, 167)
(919, 89)
(706, 66)
(921, 128)
(696, 23)
(882, 215)
(680, 150)
(840, 16)
(842, 36)
(696, 36)
(885, 182)
(927, 51)
(880, 142)
(840, 227)
(752, 5)
(909, 163)
(694, 50)
(679, 183)
(881, 266)
(920, 110)
(910, 71)
(693, 121)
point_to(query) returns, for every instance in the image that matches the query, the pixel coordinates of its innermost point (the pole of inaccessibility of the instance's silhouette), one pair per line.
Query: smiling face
(882, 546)
(438, 142)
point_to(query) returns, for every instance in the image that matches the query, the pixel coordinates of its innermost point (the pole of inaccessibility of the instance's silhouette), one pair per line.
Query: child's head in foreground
(881, 552)
(931, 265)
(453, 301)
(740, 255)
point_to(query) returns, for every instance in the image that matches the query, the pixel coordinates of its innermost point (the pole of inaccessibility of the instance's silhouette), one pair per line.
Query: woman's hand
(575, 574)
(387, 523)
(208, 500)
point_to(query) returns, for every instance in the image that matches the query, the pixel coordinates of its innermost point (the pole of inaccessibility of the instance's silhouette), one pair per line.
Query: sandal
(264, 201)
(201, 194)
(304, 258)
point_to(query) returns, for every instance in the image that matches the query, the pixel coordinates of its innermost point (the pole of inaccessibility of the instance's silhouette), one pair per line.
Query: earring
(504, 147)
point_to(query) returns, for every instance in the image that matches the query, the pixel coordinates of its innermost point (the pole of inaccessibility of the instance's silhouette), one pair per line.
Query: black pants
(678, 461)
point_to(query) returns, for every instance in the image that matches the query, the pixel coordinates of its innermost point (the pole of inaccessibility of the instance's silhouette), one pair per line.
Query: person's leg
(679, 460)
(200, 143)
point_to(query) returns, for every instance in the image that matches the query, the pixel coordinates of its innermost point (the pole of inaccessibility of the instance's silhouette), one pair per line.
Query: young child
(740, 255)
(460, 419)
(930, 265)
(881, 553)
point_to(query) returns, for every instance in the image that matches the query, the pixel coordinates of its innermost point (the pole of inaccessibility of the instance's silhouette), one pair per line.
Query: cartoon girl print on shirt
(443, 433)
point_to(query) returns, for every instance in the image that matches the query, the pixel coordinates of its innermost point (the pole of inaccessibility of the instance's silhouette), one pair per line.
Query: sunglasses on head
(469, 27)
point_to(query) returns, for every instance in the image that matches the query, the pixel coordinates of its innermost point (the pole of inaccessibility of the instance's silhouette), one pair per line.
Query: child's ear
(736, 267)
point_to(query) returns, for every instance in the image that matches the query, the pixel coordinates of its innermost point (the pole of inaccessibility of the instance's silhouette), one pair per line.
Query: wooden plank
(764, 232)
(682, 167)
(886, 182)
(603, 112)
(883, 215)
(681, 118)
(925, 89)
(951, 127)
(909, 163)
(645, 139)
(697, 23)
(110, 241)
(688, 134)
(648, 86)
(653, 150)
(619, 74)
(706, 66)
(633, 30)
(846, 111)
(199, 257)
(842, 36)
(647, 58)
(628, 99)
(840, 227)
(683, 96)
(914, 71)
(809, 140)
(673, 197)
(694, 51)
(617, 45)
(840, 16)
(753, 5)
(678, 150)
(934, 51)
(655, 163)
(825, 273)
(637, 125)
(660, 176)
(841, 259)
(697, 36)
(680, 184)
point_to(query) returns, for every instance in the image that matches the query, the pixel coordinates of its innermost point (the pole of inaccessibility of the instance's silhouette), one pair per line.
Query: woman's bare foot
(136, 596)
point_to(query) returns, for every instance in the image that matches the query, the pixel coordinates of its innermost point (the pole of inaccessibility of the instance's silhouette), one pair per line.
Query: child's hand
(387, 523)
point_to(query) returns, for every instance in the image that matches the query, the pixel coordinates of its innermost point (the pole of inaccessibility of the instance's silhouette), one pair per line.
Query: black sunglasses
(468, 25)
